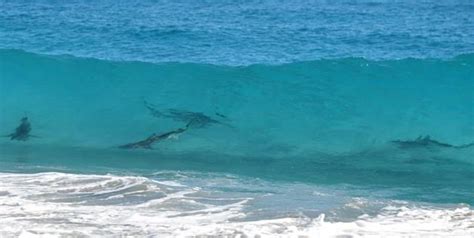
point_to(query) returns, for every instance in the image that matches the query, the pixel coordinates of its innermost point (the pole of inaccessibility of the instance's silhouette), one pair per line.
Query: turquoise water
(308, 98)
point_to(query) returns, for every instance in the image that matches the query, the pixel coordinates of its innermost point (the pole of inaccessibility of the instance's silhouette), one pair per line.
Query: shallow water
(196, 204)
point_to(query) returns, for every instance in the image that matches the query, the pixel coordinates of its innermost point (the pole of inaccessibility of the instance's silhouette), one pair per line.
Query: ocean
(237, 118)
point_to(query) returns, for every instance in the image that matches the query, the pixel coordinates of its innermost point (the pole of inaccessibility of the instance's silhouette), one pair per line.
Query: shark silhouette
(197, 119)
(149, 141)
(22, 132)
(425, 142)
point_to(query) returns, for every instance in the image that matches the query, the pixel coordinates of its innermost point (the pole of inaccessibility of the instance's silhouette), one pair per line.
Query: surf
(320, 122)
(64, 204)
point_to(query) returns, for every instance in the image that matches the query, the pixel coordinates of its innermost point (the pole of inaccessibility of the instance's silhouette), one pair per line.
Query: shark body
(196, 119)
(149, 141)
(22, 132)
(427, 142)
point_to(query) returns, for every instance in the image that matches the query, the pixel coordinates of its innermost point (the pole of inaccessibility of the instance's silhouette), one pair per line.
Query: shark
(22, 132)
(149, 141)
(427, 142)
(196, 119)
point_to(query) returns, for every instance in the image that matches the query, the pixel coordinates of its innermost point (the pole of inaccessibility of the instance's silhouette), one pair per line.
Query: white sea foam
(57, 204)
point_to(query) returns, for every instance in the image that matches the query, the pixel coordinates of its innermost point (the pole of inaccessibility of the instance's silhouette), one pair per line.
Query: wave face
(239, 32)
(322, 122)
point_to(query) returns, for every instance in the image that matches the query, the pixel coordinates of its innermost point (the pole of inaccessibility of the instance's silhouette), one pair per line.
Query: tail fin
(464, 146)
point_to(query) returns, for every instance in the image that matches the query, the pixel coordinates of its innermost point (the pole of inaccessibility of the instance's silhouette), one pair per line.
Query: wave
(330, 105)
(35, 205)
(324, 122)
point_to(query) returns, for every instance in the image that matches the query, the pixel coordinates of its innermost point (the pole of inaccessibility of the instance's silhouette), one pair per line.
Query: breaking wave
(59, 204)
(321, 122)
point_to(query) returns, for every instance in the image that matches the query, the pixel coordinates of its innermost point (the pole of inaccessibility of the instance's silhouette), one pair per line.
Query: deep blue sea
(237, 118)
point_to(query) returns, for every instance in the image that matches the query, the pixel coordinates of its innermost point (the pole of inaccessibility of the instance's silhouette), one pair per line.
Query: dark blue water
(239, 32)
